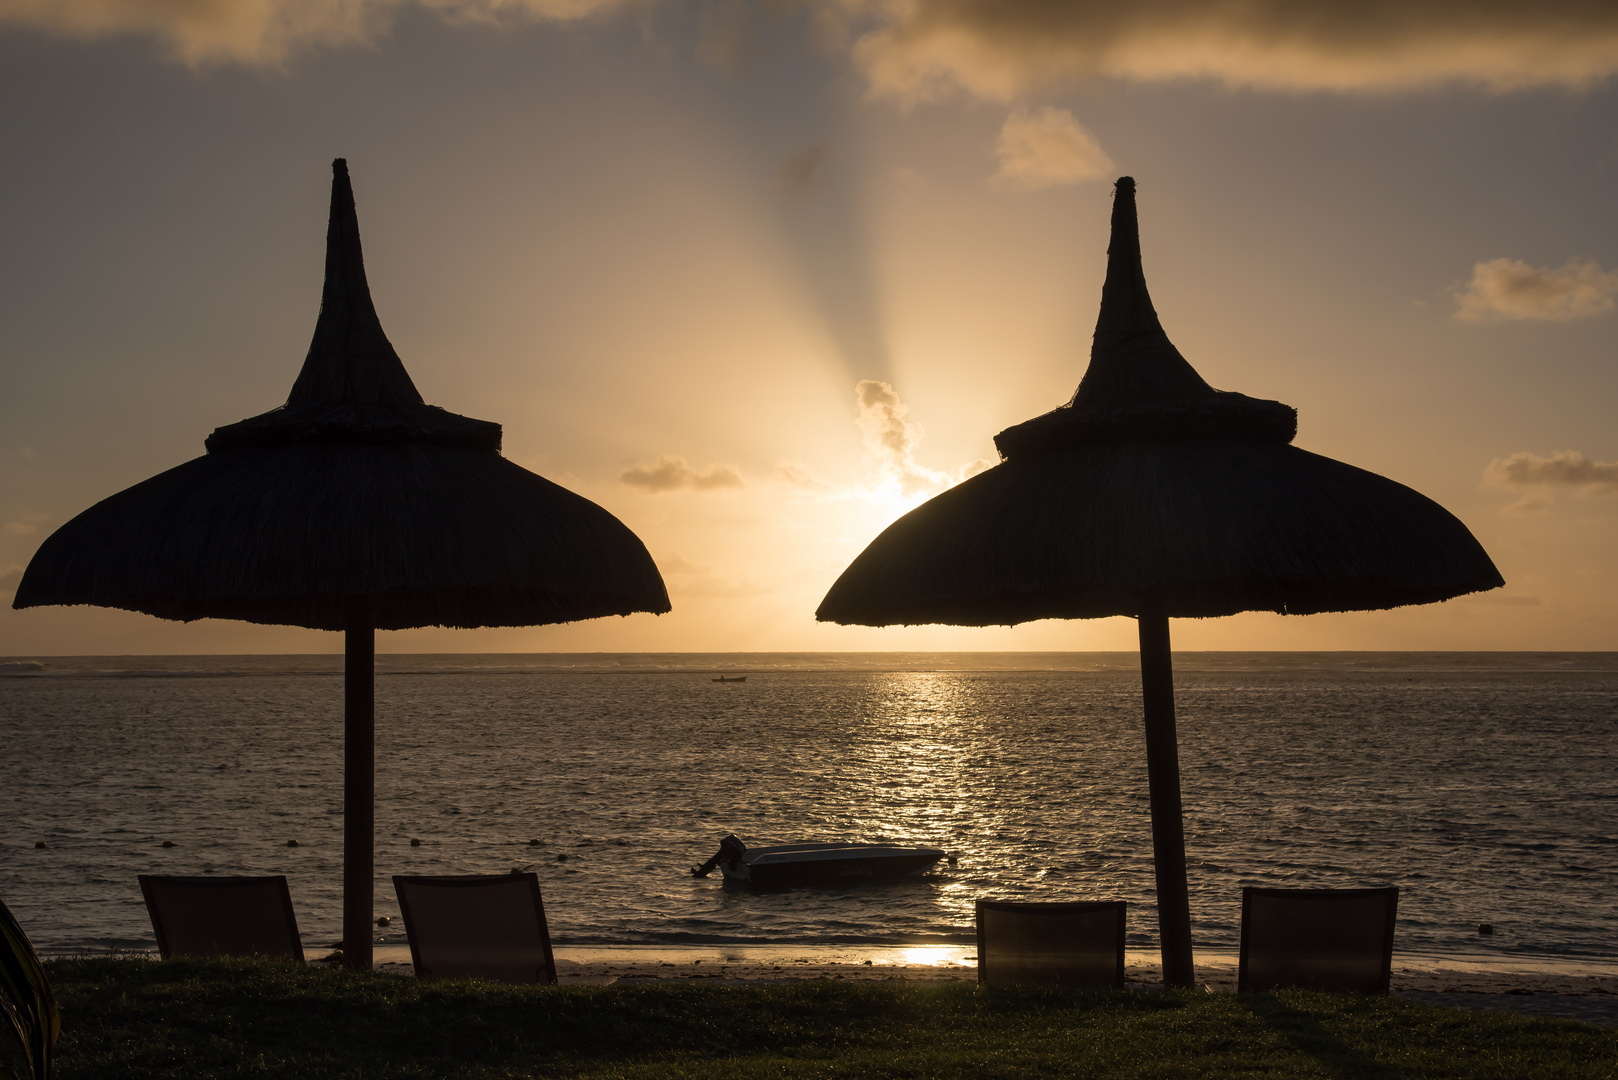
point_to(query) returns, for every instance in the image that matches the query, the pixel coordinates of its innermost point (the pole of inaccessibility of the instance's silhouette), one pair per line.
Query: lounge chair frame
(1052, 908)
(472, 881)
(1309, 896)
(214, 884)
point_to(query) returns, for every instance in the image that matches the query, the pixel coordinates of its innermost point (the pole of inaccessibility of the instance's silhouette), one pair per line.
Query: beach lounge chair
(222, 916)
(477, 927)
(1340, 940)
(1068, 944)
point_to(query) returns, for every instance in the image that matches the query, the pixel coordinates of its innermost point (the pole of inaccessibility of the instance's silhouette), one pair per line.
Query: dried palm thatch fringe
(355, 506)
(1201, 528)
(354, 488)
(1151, 490)
(1154, 495)
(436, 536)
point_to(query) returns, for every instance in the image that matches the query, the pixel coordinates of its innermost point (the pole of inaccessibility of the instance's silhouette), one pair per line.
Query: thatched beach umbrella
(354, 507)
(1153, 495)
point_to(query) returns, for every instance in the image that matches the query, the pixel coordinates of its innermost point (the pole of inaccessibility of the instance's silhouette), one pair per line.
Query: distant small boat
(732, 678)
(816, 864)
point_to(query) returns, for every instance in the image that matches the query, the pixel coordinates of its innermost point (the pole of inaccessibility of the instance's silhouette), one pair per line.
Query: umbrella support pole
(1163, 779)
(359, 783)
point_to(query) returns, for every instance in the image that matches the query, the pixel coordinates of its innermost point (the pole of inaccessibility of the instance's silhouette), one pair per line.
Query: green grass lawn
(139, 1018)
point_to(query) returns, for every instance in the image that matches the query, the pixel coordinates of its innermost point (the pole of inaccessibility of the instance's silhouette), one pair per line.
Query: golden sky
(758, 277)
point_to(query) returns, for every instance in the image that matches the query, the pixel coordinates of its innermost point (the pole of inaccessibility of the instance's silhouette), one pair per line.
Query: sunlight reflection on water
(1487, 795)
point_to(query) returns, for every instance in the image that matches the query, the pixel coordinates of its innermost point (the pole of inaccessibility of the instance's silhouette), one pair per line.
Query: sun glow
(890, 502)
(936, 956)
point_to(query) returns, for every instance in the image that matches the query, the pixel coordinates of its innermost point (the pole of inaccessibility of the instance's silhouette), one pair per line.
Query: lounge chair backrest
(1339, 940)
(222, 916)
(1068, 944)
(477, 927)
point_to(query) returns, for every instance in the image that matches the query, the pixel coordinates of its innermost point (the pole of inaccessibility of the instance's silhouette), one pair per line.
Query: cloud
(23, 453)
(687, 579)
(919, 50)
(1562, 469)
(267, 32)
(795, 475)
(10, 577)
(1535, 502)
(916, 50)
(972, 468)
(891, 440)
(1511, 289)
(724, 37)
(28, 526)
(673, 563)
(672, 473)
(1047, 149)
(798, 174)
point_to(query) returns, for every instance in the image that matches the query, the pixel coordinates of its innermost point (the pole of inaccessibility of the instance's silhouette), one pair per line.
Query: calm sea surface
(1485, 785)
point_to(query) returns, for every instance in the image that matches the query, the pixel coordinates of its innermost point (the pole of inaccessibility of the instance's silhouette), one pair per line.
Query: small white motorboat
(815, 864)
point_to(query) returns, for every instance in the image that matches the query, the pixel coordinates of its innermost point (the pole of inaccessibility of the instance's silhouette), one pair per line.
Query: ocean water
(1485, 785)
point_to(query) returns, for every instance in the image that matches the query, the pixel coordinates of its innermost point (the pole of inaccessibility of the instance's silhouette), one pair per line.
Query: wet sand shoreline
(1578, 988)
(1582, 989)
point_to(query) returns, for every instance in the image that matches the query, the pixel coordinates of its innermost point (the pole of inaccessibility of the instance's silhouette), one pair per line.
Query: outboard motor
(729, 848)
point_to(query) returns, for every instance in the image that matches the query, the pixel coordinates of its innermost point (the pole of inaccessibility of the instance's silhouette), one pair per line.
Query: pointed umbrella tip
(1124, 225)
(350, 359)
(1138, 386)
(352, 387)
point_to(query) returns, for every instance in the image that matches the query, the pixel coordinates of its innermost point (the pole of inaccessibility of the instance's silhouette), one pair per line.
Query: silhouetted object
(789, 865)
(1485, 928)
(1068, 944)
(1338, 940)
(729, 848)
(26, 1000)
(477, 927)
(1152, 495)
(222, 916)
(353, 507)
(731, 678)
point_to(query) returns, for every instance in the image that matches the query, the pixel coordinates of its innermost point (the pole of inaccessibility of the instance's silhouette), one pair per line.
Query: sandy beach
(1541, 986)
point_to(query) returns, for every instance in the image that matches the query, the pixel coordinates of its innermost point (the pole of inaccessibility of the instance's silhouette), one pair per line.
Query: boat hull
(826, 865)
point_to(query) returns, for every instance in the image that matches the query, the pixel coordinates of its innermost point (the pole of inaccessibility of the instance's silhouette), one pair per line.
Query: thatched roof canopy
(1150, 490)
(354, 488)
